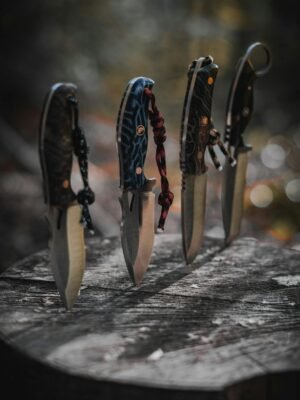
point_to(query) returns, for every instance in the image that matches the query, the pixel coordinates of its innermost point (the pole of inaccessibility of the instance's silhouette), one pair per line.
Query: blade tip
(229, 239)
(137, 280)
(189, 258)
(191, 253)
(227, 242)
(69, 301)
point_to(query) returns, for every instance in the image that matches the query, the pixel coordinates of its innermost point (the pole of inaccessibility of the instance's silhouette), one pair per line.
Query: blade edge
(76, 249)
(146, 237)
(193, 197)
(67, 253)
(233, 195)
(137, 232)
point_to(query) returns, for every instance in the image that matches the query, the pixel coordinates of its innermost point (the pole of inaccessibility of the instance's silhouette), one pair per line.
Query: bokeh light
(282, 230)
(261, 196)
(99, 46)
(292, 190)
(273, 156)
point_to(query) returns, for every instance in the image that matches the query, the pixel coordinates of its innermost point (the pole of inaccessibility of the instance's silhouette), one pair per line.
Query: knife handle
(132, 133)
(56, 146)
(239, 107)
(196, 117)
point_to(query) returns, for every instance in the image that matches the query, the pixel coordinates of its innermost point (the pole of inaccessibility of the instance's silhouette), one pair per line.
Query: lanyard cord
(85, 196)
(166, 197)
(214, 139)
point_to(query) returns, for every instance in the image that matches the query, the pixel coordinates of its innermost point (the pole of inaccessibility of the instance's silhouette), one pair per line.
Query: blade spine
(227, 221)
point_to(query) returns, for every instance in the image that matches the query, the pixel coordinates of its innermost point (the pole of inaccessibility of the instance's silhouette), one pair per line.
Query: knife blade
(67, 251)
(196, 125)
(64, 213)
(239, 110)
(137, 198)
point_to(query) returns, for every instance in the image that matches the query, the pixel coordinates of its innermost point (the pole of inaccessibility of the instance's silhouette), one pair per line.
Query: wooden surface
(227, 327)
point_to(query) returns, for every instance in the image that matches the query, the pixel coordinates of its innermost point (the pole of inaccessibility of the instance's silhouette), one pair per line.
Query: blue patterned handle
(132, 133)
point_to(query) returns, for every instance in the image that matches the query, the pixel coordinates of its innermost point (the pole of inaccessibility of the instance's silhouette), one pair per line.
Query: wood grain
(227, 327)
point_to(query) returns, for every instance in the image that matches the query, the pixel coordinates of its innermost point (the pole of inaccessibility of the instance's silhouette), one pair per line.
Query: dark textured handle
(132, 133)
(56, 145)
(239, 107)
(196, 116)
(240, 104)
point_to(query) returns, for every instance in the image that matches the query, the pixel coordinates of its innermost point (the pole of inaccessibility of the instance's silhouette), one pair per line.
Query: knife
(197, 134)
(194, 135)
(59, 137)
(239, 110)
(137, 198)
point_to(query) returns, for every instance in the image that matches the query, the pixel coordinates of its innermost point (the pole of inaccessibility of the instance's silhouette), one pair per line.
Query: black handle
(239, 107)
(196, 117)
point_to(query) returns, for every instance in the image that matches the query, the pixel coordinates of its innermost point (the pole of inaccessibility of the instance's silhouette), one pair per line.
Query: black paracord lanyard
(85, 196)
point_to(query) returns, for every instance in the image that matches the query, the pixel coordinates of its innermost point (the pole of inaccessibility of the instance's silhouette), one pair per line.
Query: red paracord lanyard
(166, 197)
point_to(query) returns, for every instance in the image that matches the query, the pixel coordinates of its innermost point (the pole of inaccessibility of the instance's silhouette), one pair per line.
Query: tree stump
(226, 327)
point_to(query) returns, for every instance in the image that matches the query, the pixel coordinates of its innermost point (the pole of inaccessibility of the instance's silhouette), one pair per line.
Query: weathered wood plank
(217, 328)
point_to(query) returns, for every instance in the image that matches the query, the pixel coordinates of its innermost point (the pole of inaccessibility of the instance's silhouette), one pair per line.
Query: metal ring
(250, 50)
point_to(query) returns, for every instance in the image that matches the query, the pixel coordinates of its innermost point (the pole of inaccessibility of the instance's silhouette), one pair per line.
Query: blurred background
(101, 44)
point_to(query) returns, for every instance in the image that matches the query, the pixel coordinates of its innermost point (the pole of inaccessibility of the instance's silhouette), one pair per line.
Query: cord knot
(86, 196)
(165, 199)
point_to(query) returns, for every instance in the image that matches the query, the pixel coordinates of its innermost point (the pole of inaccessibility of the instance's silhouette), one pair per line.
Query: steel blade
(233, 194)
(137, 231)
(67, 251)
(193, 198)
